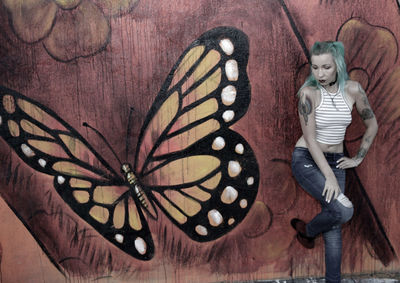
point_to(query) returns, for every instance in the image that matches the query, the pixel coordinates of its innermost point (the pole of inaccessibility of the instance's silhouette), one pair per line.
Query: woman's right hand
(331, 189)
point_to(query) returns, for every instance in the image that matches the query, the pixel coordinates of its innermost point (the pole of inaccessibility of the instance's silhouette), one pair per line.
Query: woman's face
(323, 68)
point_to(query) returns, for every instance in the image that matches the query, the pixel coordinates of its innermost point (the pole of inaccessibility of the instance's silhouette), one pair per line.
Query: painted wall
(170, 92)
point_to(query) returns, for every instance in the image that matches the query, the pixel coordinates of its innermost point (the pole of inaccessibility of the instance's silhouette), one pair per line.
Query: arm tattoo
(364, 95)
(361, 153)
(305, 108)
(366, 114)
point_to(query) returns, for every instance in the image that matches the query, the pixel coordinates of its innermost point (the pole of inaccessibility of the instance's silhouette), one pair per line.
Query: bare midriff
(337, 148)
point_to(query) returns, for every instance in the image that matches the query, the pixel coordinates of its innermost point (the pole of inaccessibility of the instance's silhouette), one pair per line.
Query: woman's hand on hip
(331, 190)
(346, 162)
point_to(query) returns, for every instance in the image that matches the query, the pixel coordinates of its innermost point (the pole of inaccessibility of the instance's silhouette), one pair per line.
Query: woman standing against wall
(326, 100)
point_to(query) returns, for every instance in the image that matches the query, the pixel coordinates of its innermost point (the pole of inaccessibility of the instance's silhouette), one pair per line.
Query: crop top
(332, 116)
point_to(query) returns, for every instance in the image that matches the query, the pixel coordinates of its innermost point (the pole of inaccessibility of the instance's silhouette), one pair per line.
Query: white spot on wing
(234, 168)
(250, 181)
(42, 162)
(228, 95)
(227, 46)
(239, 148)
(231, 221)
(140, 245)
(231, 69)
(243, 203)
(27, 150)
(228, 115)
(60, 180)
(218, 143)
(119, 238)
(229, 195)
(214, 217)
(201, 230)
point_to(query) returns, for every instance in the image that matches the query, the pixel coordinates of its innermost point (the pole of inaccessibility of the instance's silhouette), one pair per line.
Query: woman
(326, 100)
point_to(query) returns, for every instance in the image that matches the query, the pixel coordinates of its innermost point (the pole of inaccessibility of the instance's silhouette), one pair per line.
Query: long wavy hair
(335, 48)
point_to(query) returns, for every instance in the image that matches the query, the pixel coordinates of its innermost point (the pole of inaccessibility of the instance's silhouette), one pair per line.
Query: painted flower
(372, 53)
(68, 29)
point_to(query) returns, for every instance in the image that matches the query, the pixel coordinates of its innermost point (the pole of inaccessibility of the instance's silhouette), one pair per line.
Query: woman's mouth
(322, 81)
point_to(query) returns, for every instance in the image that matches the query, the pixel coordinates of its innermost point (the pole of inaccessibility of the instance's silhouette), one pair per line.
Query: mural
(147, 141)
(202, 175)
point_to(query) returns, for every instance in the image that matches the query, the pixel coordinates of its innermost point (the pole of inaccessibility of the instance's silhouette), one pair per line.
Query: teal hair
(335, 48)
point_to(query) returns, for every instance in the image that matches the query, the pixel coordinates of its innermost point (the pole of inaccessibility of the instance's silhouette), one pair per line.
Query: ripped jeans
(332, 215)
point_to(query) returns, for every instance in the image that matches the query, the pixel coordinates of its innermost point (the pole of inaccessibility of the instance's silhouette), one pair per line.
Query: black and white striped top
(332, 117)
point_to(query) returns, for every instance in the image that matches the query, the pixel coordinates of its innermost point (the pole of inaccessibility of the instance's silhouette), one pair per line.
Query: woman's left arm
(368, 117)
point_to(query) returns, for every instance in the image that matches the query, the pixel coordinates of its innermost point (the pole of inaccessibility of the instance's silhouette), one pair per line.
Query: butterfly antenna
(104, 140)
(128, 131)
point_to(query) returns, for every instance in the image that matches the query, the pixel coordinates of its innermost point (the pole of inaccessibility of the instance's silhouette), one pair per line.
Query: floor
(344, 280)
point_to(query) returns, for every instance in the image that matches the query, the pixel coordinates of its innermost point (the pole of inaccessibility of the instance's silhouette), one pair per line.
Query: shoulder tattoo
(364, 95)
(366, 113)
(305, 108)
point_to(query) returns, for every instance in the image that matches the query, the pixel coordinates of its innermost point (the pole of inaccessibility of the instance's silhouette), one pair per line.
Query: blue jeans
(328, 221)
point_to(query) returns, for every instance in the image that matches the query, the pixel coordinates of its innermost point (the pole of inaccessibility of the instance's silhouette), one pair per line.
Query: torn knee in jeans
(347, 210)
(344, 200)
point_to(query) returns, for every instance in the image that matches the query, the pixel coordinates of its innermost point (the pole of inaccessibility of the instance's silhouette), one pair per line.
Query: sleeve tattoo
(305, 108)
(367, 112)
(361, 153)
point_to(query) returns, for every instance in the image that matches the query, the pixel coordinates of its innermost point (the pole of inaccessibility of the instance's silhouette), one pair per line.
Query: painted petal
(78, 33)
(32, 20)
(116, 7)
(67, 4)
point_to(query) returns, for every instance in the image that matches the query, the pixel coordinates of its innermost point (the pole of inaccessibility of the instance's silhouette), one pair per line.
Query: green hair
(336, 49)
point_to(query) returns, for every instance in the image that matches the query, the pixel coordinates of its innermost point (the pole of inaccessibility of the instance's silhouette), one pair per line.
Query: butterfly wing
(202, 174)
(82, 177)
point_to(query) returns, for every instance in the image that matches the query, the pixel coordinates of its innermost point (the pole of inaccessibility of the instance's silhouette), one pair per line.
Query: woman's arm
(368, 117)
(306, 110)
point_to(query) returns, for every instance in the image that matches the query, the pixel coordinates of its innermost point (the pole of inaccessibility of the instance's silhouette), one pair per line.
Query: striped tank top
(332, 117)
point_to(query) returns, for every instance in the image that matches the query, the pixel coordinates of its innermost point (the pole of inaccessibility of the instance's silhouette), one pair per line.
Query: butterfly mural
(189, 164)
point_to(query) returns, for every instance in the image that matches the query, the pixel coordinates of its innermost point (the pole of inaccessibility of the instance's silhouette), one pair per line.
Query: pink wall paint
(124, 62)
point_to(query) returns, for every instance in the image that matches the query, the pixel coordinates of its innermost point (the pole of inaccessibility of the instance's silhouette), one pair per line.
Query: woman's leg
(333, 237)
(333, 214)
(312, 181)
(333, 254)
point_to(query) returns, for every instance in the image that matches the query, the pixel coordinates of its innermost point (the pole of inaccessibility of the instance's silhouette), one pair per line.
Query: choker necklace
(332, 83)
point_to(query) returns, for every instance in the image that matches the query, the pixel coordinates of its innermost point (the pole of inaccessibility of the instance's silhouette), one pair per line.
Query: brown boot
(300, 227)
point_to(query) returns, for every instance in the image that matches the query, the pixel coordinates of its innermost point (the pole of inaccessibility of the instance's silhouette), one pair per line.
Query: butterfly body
(131, 178)
(189, 164)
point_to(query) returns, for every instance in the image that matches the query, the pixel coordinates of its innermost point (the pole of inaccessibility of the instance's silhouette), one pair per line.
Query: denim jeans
(328, 221)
